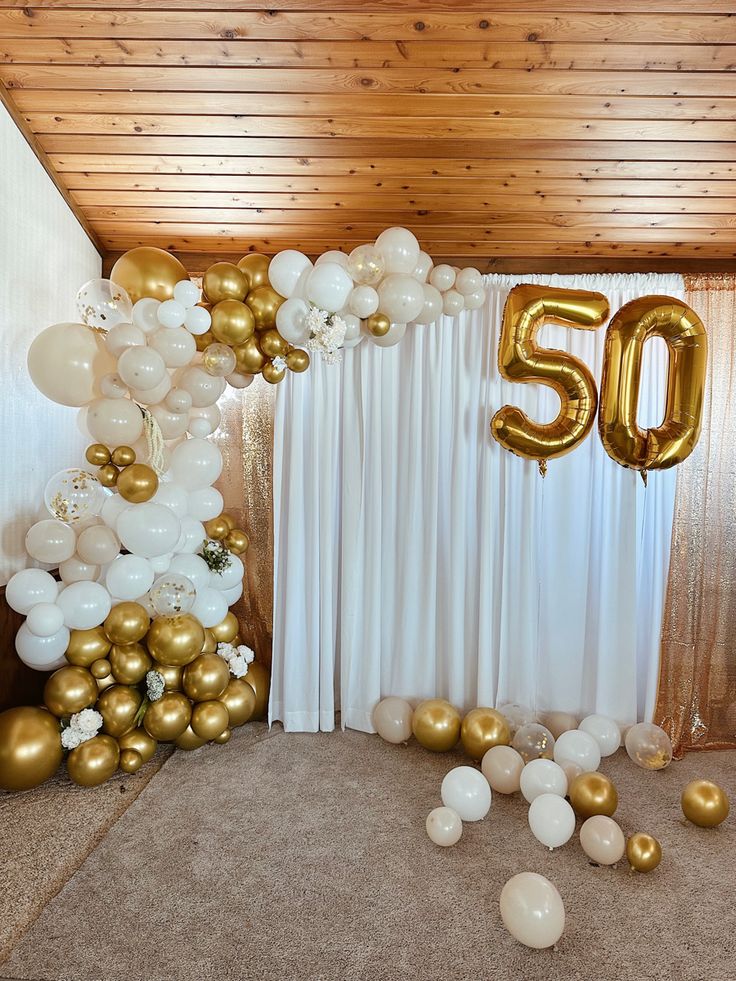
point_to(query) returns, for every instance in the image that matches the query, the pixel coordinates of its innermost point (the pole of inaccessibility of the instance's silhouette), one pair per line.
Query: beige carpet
(305, 857)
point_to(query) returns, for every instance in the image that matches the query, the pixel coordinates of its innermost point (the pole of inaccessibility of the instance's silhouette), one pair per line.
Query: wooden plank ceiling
(520, 134)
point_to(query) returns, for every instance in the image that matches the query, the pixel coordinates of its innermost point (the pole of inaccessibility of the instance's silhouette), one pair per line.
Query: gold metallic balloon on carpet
(147, 271)
(704, 803)
(593, 793)
(481, 729)
(189, 740)
(643, 852)
(69, 690)
(210, 719)
(130, 761)
(30, 747)
(175, 640)
(94, 761)
(168, 717)
(86, 646)
(127, 623)
(240, 701)
(138, 740)
(206, 677)
(118, 706)
(436, 725)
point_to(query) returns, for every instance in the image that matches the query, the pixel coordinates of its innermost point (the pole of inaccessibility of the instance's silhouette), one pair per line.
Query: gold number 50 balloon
(520, 360)
(674, 440)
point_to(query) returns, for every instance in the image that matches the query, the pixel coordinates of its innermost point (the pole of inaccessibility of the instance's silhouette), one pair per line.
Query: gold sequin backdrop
(697, 683)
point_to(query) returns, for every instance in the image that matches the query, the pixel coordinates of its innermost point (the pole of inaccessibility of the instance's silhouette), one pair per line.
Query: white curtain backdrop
(416, 557)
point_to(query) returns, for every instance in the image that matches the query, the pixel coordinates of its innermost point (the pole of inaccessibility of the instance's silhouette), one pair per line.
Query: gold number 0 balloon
(521, 360)
(674, 440)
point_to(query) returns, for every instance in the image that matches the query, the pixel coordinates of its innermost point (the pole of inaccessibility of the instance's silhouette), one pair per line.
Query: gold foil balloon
(259, 679)
(236, 540)
(172, 675)
(229, 520)
(137, 483)
(127, 623)
(378, 324)
(240, 700)
(30, 747)
(224, 281)
(648, 746)
(226, 630)
(272, 374)
(533, 742)
(123, 456)
(674, 439)
(94, 761)
(106, 681)
(593, 793)
(520, 359)
(250, 358)
(108, 475)
(167, 718)
(704, 803)
(97, 454)
(175, 640)
(86, 646)
(130, 761)
(436, 725)
(203, 341)
(210, 719)
(118, 705)
(69, 690)
(255, 266)
(210, 642)
(138, 740)
(643, 852)
(273, 344)
(189, 740)
(297, 360)
(146, 271)
(481, 729)
(225, 736)
(264, 301)
(206, 677)
(217, 528)
(130, 663)
(101, 668)
(232, 322)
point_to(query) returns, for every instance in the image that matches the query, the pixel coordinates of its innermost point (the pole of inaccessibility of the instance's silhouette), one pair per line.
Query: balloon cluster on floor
(554, 763)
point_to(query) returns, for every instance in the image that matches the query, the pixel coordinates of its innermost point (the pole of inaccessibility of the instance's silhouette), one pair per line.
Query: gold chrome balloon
(297, 360)
(378, 324)
(108, 475)
(520, 359)
(237, 540)
(674, 439)
(123, 456)
(94, 761)
(130, 663)
(704, 803)
(138, 740)
(264, 301)
(593, 793)
(229, 520)
(643, 852)
(97, 454)
(171, 673)
(146, 271)
(249, 359)
(118, 705)
(240, 701)
(273, 344)
(69, 690)
(189, 740)
(127, 623)
(259, 678)
(206, 677)
(224, 281)
(225, 736)
(168, 717)
(483, 728)
(435, 724)
(203, 341)
(175, 640)
(232, 322)
(210, 719)
(137, 483)
(100, 668)
(226, 630)
(255, 266)
(130, 761)
(217, 528)
(30, 747)
(272, 374)
(107, 682)
(210, 642)
(86, 646)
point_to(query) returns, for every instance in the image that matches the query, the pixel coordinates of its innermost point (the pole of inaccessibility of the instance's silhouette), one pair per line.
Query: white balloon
(442, 277)
(193, 567)
(432, 309)
(332, 255)
(178, 400)
(233, 594)
(172, 424)
(141, 367)
(161, 563)
(474, 301)
(129, 576)
(453, 303)
(191, 537)
(114, 422)
(532, 910)
(352, 329)
(74, 570)
(401, 298)
(605, 731)
(97, 545)
(239, 380)
(466, 791)
(551, 819)
(229, 577)
(28, 587)
(113, 387)
(177, 347)
(197, 320)
(205, 503)
(112, 509)
(423, 267)
(210, 607)
(328, 286)
(144, 314)
(187, 293)
(205, 421)
(285, 269)
(400, 250)
(290, 320)
(172, 496)
(152, 396)
(444, 826)
(203, 387)
(148, 529)
(363, 301)
(45, 619)
(171, 314)
(84, 605)
(196, 463)
(542, 777)
(468, 280)
(51, 541)
(42, 653)
(394, 335)
(122, 336)
(576, 746)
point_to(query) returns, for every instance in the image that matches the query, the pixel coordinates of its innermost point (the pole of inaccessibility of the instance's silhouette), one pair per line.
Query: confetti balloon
(72, 495)
(103, 304)
(649, 746)
(172, 594)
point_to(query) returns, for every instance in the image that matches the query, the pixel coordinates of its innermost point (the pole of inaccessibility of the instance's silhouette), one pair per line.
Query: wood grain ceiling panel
(567, 131)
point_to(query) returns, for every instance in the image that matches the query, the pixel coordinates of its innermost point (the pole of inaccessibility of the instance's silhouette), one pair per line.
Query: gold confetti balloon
(533, 741)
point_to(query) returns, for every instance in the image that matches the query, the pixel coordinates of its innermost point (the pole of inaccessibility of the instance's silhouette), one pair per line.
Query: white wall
(45, 256)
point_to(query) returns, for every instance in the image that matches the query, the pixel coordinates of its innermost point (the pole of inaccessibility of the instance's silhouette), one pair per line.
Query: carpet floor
(295, 856)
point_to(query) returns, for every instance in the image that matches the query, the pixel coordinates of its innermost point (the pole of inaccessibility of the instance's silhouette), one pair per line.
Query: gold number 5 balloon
(674, 440)
(527, 308)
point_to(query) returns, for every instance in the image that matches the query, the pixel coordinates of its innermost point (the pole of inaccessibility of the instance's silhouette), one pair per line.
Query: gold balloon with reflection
(147, 271)
(249, 358)
(240, 700)
(86, 646)
(259, 678)
(69, 690)
(138, 740)
(130, 761)
(378, 324)
(97, 454)
(227, 629)
(273, 344)
(30, 747)
(118, 705)
(107, 681)
(272, 374)
(127, 623)
(593, 793)
(225, 736)
(224, 281)
(130, 663)
(297, 360)
(264, 301)
(704, 803)
(481, 729)
(203, 341)
(172, 675)
(94, 761)
(100, 668)
(137, 483)
(237, 541)
(217, 528)
(436, 725)
(210, 642)
(189, 740)
(123, 456)
(232, 322)
(210, 719)
(255, 267)
(643, 852)
(108, 475)
(167, 717)
(206, 677)
(175, 640)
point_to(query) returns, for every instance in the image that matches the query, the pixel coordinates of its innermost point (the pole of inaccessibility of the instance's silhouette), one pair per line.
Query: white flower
(238, 666)
(226, 651)
(155, 685)
(326, 334)
(87, 721)
(71, 738)
(238, 658)
(246, 653)
(279, 363)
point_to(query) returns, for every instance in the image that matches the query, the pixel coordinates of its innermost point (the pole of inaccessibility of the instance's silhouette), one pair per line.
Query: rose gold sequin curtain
(696, 701)
(245, 438)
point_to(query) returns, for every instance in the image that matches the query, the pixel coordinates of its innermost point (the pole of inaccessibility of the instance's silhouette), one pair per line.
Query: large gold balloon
(259, 678)
(273, 344)
(171, 673)
(210, 719)
(264, 301)
(146, 271)
(249, 359)
(704, 803)
(674, 439)
(483, 728)
(206, 677)
(118, 705)
(593, 793)
(97, 454)
(255, 266)
(436, 725)
(138, 740)
(94, 761)
(130, 761)
(378, 324)
(86, 646)
(127, 623)
(175, 640)
(520, 359)
(240, 701)
(297, 360)
(168, 717)
(643, 852)
(232, 322)
(130, 663)
(272, 374)
(30, 747)
(224, 281)
(189, 740)
(226, 630)
(69, 690)
(137, 483)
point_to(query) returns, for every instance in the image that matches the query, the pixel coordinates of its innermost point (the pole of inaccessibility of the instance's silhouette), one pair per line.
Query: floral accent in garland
(155, 685)
(326, 334)
(216, 555)
(82, 726)
(238, 658)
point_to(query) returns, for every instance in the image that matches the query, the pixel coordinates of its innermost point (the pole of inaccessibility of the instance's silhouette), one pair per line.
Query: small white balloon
(468, 281)
(28, 587)
(42, 653)
(141, 367)
(363, 301)
(291, 320)
(453, 303)
(112, 386)
(432, 309)
(551, 819)
(112, 509)
(84, 605)
(604, 730)
(444, 826)
(228, 577)
(192, 536)
(602, 840)
(239, 380)
(161, 563)
(45, 619)
(502, 767)
(176, 346)
(152, 396)
(74, 570)
(172, 424)
(391, 719)
(193, 567)
(576, 746)
(442, 277)
(128, 577)
(423, 267)
(177, 400)
(123, 336)
(474, 301)
(210, 607)
(205, 503)
(542, 777)
(144, 314)
(401, 298)
(187, 293)
(98, 545)
(332, 255)
(171, 313)
(197, 320)
(205, 389)
(114, 422)
(234, 594)
(466, 791)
